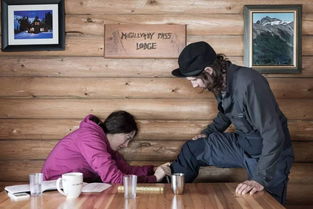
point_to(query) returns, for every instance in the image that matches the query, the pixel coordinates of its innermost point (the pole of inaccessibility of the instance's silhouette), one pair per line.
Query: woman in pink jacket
(92, 149)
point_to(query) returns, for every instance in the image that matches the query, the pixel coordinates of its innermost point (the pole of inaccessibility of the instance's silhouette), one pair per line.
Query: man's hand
(162, 170)
(250, 187)
(199, 136)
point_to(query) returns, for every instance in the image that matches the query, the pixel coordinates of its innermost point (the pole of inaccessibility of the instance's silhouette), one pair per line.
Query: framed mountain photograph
(29, 25)
(272, 38)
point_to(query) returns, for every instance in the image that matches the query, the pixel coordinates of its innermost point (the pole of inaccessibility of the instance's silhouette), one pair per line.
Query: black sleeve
(219, 124)
(264, 113)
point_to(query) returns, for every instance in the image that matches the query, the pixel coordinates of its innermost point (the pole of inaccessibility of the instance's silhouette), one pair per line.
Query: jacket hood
(87, 122)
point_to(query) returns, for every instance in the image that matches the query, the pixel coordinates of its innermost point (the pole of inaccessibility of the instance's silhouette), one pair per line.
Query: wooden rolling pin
(143, 189)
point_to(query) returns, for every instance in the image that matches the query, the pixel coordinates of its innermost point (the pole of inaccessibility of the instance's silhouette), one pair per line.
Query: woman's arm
(95, 152)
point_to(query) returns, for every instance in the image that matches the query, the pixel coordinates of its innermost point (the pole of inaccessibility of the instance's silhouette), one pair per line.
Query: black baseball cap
(194, 58)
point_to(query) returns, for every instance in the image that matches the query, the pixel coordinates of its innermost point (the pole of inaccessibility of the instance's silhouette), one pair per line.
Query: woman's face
(121, 140)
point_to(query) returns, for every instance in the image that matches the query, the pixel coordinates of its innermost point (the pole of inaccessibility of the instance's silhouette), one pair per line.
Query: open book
(51, 185)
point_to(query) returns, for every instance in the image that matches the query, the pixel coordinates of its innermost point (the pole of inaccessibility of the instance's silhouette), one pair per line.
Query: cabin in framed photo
(272, 38)
(29, 25)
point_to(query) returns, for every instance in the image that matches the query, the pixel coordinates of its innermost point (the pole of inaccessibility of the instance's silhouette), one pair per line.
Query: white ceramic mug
(72, 184)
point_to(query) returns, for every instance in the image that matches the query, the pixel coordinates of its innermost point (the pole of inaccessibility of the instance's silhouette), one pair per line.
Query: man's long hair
(218, 77)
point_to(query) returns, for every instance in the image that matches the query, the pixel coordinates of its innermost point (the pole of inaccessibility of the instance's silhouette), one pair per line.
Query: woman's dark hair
(119, 122)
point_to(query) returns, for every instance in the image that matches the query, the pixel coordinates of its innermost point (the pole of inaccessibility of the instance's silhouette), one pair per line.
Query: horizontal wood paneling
(203, 24)
(100, 67)
(28, 150)
(146, 88)
(87, 67)
(300, 129)
(283, 90)
(88, 45)
(36, 129)
(153, 7)
(75, 44)
(18, 170)
(169, 109)
(308, 204)
(75, 108)
(44, 129)
(300, 194)
(300, 173)
(100, 88)
(303, 151)
(138, 150)
(197, 24)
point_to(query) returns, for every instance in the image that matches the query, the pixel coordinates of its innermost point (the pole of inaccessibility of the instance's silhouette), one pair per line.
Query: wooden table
(196, 195)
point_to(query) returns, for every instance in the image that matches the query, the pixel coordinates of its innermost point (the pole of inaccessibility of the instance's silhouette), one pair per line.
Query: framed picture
(272, 38)
(29, 25)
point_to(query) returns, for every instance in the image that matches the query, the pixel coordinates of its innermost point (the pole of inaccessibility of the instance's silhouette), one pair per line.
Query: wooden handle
(144, 189)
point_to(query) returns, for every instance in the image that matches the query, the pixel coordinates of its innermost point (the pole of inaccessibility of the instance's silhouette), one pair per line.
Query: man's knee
(193, 147)
(185, 149)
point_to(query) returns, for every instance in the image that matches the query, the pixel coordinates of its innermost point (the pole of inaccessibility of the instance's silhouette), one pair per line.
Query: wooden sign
(144, 41)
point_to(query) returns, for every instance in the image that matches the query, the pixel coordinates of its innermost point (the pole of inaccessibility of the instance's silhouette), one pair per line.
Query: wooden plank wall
(43, 95)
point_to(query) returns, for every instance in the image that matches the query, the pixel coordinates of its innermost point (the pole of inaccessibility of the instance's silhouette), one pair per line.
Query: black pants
(223, 150)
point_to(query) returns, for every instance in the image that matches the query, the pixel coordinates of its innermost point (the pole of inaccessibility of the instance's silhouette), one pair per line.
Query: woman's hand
(162, 171)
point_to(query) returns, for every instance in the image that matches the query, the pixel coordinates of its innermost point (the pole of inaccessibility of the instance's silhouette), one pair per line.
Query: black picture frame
(272, 38)
(21, 31)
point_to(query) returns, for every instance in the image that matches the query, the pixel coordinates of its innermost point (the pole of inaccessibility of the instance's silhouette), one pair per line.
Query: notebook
(51, 185)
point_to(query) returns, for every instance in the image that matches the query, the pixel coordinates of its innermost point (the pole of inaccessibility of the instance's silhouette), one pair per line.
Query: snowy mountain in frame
(273, 41)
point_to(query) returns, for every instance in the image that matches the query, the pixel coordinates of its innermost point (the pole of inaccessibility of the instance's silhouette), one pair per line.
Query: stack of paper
(51, 185)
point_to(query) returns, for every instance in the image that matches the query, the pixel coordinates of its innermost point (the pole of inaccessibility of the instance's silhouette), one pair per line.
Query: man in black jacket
(261, 142)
